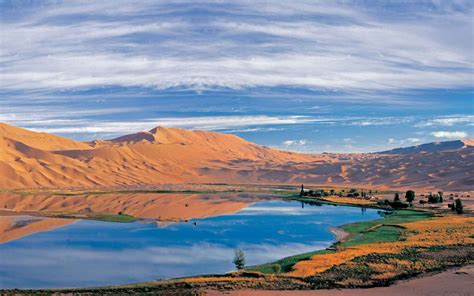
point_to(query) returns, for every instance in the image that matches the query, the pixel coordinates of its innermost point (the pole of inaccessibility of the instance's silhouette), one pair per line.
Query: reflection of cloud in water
(98, 267)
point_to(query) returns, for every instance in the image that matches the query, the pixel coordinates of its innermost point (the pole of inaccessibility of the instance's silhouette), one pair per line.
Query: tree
(276, 268)
(302, 190)
(440, 193)
(458, 206)
(396, 197)
(239, 259)
(410, 196)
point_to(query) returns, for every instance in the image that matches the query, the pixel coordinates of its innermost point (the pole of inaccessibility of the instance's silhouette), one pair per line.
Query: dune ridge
(171, 155)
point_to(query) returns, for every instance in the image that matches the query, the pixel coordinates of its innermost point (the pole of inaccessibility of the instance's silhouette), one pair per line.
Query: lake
(90, 253)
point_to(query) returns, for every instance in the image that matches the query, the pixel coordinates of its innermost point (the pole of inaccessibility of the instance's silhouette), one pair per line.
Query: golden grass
(446, 230)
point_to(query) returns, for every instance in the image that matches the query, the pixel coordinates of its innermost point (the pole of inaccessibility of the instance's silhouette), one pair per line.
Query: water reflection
(92, 253)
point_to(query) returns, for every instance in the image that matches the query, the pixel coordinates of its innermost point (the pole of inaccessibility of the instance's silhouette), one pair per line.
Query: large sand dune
(171, 155)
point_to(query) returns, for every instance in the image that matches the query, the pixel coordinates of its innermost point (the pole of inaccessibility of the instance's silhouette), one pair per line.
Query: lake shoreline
(340, 234)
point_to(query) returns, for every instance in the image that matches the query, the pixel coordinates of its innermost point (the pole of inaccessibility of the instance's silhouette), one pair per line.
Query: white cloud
(408, 141)
(450, 135)
(450, 120)
(334, 46)
(203, 122)
(301, 142)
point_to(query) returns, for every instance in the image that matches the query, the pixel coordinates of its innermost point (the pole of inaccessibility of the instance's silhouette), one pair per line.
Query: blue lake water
(92, 253)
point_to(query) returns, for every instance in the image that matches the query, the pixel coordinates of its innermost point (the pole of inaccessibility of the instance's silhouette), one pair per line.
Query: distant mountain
(171, 155)
(432, 147)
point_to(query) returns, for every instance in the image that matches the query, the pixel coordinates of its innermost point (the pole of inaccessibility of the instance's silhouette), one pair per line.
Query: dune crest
(172, 155)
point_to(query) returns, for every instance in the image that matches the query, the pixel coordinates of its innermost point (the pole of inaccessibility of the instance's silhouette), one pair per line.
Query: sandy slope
(171, 155)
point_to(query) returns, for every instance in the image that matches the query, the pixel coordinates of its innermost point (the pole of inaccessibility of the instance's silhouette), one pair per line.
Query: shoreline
(340, 234)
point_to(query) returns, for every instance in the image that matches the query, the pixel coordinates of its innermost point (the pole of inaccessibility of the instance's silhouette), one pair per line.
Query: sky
(308, 76)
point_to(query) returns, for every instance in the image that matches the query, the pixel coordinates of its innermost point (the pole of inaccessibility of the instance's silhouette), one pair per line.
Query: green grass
(387, 229)
(92, 216)
(113, 218)
(286, 264)
(382, 234)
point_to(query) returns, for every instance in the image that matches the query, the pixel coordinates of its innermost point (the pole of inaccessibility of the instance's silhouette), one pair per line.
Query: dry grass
(441, 231)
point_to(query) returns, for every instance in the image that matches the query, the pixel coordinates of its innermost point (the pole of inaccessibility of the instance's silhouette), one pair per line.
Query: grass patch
(286, 264)
(123, 218)
(382, 234)
(113, 218)
(359, 229)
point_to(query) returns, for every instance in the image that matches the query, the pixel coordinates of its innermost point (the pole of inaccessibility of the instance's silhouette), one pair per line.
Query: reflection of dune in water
(140, 205)
(15, 227)
(167, 207)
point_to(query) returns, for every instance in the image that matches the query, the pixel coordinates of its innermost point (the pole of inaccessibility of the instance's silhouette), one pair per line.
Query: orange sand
(171, 155)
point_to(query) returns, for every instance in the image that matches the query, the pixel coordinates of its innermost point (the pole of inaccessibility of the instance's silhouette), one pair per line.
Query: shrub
(434, 198)
(399, 205)
(239, 259)
(458, 206)
(440, 194)
(396, 197)
(276, 268)
(410, 196)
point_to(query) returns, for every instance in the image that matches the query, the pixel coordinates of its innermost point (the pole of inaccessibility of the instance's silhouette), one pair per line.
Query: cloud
(408, 141)
(376, 121)
(301, 142)
(332, 46)
(450, 135)
(449, 120)
(202, 122)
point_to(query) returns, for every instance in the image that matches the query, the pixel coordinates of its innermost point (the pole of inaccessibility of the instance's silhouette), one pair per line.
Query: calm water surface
(91, 253)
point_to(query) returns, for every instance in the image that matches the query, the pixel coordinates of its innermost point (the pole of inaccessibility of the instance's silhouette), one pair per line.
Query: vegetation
(239, 259)
(435, 198)
(458, 206)
(396, 197)
(396, 204)
(286, 264)
(410, 196)
(120, 217)
(383, 268)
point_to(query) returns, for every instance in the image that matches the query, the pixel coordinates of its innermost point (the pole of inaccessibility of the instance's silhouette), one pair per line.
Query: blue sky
(311, 76)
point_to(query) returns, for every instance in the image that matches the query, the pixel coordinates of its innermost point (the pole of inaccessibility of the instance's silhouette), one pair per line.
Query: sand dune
(171, 155)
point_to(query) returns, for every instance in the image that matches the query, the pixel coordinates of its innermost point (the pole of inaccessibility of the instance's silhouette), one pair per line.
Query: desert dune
(170, 155)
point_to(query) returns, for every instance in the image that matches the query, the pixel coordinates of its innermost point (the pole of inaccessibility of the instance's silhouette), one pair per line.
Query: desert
(237, 147)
